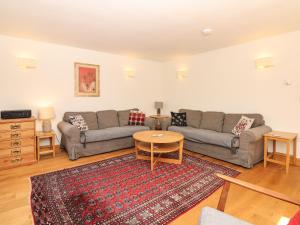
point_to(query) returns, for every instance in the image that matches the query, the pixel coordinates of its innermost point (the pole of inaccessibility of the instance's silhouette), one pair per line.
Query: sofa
(210, 133)
(108, 131)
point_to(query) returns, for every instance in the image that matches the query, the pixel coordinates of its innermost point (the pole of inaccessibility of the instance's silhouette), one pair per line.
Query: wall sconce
(27, 63)
(264, 63)
(130, 73)
(182, 73)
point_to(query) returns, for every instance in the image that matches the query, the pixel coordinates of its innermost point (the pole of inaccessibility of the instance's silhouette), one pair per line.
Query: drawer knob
(17, 159)
(15, 135)
(15, 126)
(16, 143)
(16, 151)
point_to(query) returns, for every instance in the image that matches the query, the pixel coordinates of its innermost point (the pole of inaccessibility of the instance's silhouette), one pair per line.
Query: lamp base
(47, 126)
(158, 112)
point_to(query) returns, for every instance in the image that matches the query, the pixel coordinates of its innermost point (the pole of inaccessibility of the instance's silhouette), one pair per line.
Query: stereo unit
(15, 114)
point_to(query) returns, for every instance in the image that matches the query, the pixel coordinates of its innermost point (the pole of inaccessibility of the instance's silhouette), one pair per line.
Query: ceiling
(152, 29)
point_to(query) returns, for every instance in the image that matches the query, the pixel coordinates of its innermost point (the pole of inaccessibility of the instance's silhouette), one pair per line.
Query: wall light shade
(263, 63)
(26, 63)
(130, 73)
(182, 73)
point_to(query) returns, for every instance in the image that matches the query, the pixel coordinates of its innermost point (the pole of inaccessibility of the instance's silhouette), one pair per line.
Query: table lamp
(46, 114)
(158, 106)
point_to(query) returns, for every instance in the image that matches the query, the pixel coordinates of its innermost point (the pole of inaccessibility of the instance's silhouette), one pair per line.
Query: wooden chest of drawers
(17, 142)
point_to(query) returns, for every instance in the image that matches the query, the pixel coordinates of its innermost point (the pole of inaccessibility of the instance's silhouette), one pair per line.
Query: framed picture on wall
(87, 82)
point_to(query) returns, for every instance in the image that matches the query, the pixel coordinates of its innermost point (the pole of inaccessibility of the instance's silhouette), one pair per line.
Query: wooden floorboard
(244, 204)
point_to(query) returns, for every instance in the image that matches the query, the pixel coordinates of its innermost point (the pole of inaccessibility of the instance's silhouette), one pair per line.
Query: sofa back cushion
(123, 117)
(231, 119)
(212, 121)
(107, 118)
(193, 117)
(89, 117)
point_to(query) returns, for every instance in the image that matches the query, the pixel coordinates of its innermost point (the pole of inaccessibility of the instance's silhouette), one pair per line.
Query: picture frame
(87, 80)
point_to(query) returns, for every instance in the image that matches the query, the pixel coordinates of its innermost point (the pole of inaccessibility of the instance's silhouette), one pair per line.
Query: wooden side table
(157, 120)
(279, 136)
(50, 149)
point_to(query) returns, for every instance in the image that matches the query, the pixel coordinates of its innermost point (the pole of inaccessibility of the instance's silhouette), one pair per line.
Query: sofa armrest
(251, 150)
(69, 131)
(254, 134)
(150, 122)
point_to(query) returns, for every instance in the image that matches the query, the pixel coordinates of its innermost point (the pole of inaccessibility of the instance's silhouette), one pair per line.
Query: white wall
(52, 82)
(227, 80)
(223, 80)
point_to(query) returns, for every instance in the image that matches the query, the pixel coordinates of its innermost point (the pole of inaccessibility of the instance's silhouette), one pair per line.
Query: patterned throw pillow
(178, 119)
(244, 124)
(79, 122)
(136, 118)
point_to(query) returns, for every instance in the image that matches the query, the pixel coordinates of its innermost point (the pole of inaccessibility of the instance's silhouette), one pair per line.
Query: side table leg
(265, 151)
(295, 151)
(152, 156)
(287, 163)
(53, 145)
(274, 148)
(38, 148)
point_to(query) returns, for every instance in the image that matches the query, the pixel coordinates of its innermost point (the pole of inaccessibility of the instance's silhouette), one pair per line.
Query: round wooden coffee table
(155, 141)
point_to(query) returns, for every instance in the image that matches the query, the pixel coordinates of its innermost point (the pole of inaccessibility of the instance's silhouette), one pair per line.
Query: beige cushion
(193, 117)
(107, 118)
(123, 116)
(212, 121)
(231, 119)
(89, 117)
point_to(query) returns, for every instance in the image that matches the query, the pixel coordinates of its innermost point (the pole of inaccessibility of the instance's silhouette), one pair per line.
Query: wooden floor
(244, 204)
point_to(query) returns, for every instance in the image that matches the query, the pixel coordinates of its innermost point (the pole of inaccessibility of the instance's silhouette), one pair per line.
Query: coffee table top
(158, 136)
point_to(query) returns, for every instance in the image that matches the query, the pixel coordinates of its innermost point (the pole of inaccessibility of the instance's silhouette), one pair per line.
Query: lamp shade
(158, 105)
(46, 113)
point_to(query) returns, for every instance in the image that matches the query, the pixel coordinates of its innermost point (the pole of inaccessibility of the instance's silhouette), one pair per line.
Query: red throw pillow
(136, 118)
(295, 220)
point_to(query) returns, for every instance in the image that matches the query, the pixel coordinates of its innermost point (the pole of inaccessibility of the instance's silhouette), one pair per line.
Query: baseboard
(282, 155)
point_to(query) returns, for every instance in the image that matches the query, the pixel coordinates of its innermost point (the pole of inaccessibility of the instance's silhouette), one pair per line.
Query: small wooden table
(158, 142)
(157, 119)
(280, 136)
(50, 149)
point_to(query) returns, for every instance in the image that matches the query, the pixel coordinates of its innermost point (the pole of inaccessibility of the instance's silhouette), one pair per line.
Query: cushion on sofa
(212, 121)
(110, 133)
(193, 117)
(123, 116)
(107, 118)
(207, 136)
(89, 117)
(178, 119)
(231, 119)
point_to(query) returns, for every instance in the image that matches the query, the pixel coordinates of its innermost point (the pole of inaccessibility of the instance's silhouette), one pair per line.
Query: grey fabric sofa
(108, 131)
(209, 133)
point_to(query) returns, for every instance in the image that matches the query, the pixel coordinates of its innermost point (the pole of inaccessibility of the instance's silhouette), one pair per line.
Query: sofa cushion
(178, 119)
(208, 136)
(231, 119)
(212, 121)
(110, 133)
(123, 116)
(79, 122)
(107, 118)
(193, 117)
(89, 117)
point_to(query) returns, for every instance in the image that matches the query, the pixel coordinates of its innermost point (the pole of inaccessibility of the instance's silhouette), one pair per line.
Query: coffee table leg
(152, 156)
(287, 163)
(136, 149)
(180, 151)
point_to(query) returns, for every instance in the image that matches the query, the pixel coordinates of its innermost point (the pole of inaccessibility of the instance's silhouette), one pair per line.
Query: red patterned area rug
(123, 190)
